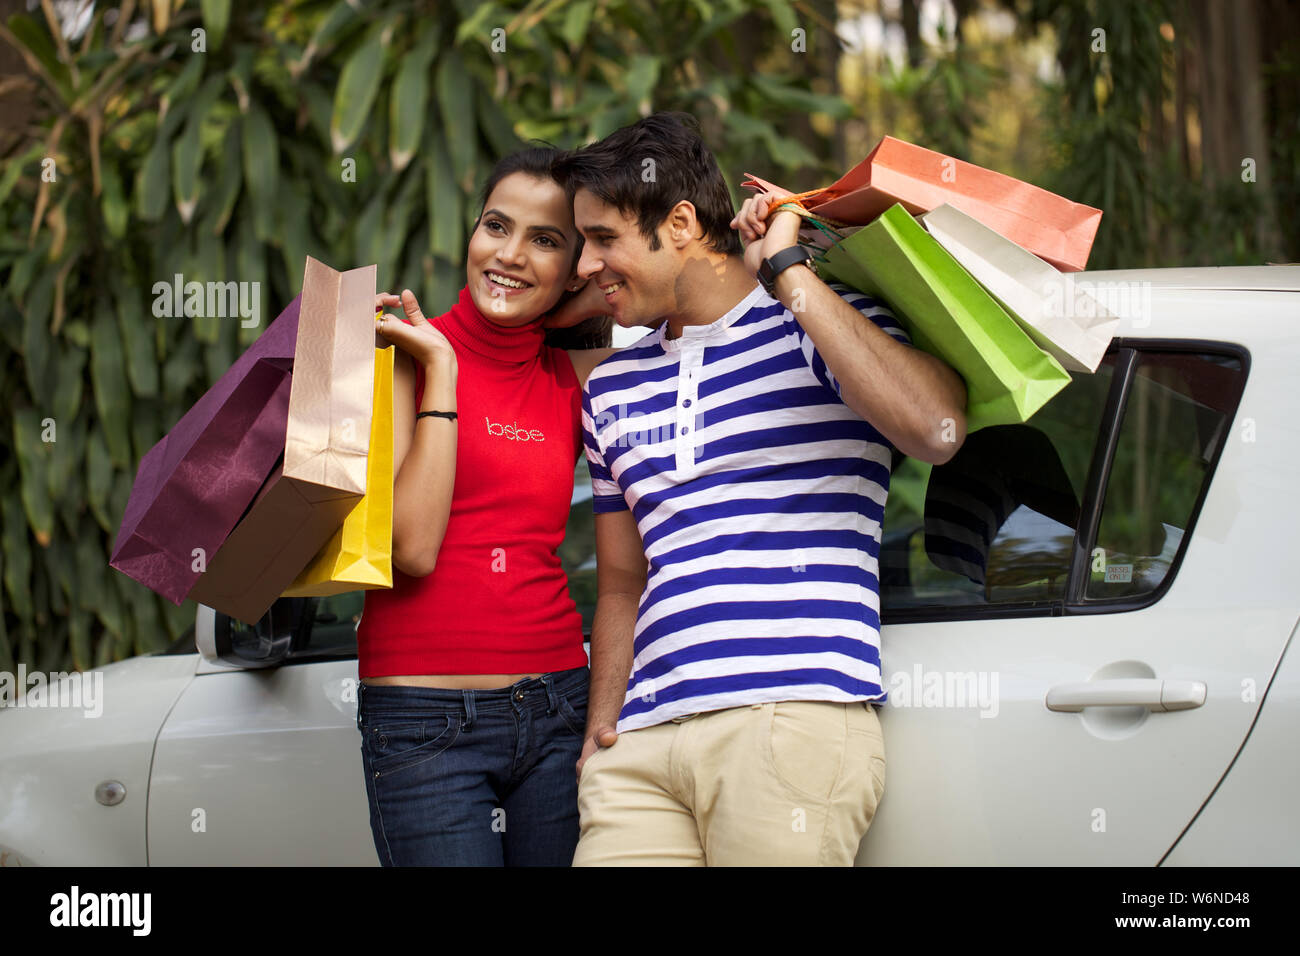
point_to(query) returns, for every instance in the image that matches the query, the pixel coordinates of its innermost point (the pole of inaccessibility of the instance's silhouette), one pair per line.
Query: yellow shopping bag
(360, 555)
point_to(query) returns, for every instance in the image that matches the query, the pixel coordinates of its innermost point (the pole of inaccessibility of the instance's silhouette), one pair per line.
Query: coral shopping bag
(1048, 225)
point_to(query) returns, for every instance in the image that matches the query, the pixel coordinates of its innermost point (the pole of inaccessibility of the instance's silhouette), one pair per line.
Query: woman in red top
(474, 679)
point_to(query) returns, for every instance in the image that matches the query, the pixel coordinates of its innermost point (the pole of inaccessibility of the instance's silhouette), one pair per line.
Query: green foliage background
(233, 164)
(230, 164)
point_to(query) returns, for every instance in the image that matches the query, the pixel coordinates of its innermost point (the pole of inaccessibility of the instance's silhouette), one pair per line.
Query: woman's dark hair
(538, 159)
(647, 168)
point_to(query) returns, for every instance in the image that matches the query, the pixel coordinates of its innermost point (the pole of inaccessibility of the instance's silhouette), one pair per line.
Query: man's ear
(683, 224)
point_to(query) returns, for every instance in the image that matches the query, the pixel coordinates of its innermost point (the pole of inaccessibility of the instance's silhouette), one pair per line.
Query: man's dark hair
(616, 172)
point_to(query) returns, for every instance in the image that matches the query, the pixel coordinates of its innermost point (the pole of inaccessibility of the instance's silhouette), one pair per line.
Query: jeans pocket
(401, 742)
(574, 717)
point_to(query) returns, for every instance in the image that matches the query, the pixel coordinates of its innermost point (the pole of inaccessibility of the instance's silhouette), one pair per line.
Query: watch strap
(774, 265)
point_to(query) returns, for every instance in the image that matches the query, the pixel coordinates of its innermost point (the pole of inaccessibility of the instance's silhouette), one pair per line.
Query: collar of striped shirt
(718, 329)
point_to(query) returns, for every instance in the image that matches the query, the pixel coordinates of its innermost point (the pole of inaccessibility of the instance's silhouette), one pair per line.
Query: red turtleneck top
(497, 601)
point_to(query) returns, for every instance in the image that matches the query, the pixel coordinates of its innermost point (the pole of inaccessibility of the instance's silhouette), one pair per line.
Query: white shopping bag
(1058, 314)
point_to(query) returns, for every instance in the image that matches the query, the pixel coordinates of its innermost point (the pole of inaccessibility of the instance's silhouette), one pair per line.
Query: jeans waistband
(530, 692)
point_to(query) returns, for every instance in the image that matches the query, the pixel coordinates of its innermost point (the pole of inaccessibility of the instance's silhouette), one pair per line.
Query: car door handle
(1145, 692)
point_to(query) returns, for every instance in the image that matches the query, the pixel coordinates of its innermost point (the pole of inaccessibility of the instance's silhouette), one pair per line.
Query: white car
(1087, 621)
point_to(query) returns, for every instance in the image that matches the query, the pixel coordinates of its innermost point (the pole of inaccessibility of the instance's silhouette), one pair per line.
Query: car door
(1040, 580)
(262, 765)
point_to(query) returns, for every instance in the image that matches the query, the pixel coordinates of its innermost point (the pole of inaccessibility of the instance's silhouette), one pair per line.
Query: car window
(322, 628)
(994, 525)
(334, 624)
(1176, 418)
(994, 528)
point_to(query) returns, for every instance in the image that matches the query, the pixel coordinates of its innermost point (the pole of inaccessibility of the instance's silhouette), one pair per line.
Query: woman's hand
(764, 238)
(420, 340)
(587, 304)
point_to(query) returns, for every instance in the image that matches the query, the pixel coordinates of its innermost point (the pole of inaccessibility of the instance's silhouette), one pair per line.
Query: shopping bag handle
(828, 227)
(763, 186)
(795, 202)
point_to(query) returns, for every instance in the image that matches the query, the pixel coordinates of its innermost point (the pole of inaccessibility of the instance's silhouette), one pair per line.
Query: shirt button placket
(688, 380)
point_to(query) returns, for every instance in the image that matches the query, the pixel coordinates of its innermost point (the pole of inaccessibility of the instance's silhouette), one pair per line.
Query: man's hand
(762, 238)
(604, 737)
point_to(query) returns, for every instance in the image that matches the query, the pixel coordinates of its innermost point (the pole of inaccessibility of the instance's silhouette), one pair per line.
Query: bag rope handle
(827, 226)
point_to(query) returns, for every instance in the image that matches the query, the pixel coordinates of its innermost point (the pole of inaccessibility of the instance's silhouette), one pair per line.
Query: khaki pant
(794, 783)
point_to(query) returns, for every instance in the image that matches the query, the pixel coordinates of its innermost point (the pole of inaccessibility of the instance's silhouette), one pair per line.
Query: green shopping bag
(948, 314)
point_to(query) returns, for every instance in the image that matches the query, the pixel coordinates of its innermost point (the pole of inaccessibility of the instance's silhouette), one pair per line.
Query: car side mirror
(282, 630)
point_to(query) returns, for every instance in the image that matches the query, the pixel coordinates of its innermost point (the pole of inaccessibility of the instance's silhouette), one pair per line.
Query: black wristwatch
(773, 266)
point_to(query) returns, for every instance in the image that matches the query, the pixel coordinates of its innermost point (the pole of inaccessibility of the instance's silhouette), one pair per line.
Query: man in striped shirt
(740, 460)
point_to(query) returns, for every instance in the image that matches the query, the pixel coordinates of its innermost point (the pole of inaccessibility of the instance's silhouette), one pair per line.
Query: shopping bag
(359, 556)
(1046, 224)
(325, 439)
(1063, 320)
(948, 314)
(193, 486)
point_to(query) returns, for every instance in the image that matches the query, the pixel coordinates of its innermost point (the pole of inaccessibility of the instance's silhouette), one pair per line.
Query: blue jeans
(474, 777)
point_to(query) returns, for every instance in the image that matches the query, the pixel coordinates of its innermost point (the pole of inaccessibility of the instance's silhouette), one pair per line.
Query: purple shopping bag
(194, 485)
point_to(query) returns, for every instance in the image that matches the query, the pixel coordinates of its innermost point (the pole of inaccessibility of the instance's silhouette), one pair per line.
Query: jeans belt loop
(552, 701)
(361, 689)
(468, 697)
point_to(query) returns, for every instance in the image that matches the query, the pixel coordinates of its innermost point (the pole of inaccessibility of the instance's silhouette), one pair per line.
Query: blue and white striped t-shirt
(759, 497)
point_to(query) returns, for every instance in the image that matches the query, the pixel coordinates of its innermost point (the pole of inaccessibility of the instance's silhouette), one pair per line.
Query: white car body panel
(1244, 823)
(272, 758)
(52, 759)
(1030, 786)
